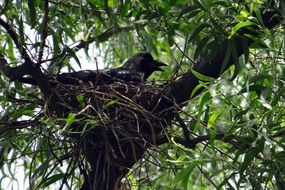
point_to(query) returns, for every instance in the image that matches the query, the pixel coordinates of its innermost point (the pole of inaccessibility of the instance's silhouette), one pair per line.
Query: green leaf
(203, 4)
(72, 53)
(240, 114)
(235, 60)
(205, 98)
(55, 39)
(32, 11)
(188, 9)
(202, 77)
(201, 46)
(198, 29)
(213, 138)
(221, 3)
(248, 158)
(52, 179)
(226, 58)
(70, 118)
(125, 7)
(81, 100)
(260, 78)
(10, 49)
(259, 43)
(255, 87)
(41, 169)
(111, 103)
(184, 174)
(239, 26)
(226, 180)
(213, 118)
(197, 88)
(254, 8)
(206, 4)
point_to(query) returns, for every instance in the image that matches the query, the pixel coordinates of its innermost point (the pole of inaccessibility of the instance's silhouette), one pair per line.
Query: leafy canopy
(246, 101)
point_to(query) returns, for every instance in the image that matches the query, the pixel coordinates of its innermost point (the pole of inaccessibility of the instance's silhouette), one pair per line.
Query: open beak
(158, 64)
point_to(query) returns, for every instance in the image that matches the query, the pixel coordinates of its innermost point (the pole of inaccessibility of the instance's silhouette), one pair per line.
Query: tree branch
(14, 36)
(103, 36)
(231, 139)
(44, 33)
(54, 101)
(7, 126)
(15, 72)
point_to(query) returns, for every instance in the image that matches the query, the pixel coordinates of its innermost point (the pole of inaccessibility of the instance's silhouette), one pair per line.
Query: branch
(83, 43)
(231, 139)
(17, 125)
(15, 37)
(44, 33)
(15, 72)
(103, 36)
(189, 142)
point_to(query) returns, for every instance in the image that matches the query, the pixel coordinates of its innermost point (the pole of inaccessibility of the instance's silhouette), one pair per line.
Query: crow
(136, 69)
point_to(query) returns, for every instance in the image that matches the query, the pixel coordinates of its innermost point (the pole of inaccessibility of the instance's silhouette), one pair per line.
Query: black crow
(136, 69)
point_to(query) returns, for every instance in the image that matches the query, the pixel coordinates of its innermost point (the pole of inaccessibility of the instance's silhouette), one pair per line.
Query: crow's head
(144, 63)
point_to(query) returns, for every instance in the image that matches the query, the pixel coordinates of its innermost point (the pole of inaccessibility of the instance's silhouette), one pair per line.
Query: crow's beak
(158, 64)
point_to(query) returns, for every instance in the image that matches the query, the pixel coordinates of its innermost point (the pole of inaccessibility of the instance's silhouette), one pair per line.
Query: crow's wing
(125, 75)
(78, 77)
(85, 76)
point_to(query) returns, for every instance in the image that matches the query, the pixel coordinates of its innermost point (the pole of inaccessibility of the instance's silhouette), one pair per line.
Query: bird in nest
(136, 69)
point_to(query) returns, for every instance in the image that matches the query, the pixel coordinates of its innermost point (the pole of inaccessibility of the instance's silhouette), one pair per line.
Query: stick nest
(119, 120)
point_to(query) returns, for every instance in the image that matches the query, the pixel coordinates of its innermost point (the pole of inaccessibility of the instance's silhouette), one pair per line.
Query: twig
(186, 132)
(44, 33)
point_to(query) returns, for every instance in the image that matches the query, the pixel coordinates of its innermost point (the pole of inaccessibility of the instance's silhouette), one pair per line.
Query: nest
(118, 121)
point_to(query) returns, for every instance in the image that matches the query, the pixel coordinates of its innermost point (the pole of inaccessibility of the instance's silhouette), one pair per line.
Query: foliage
(246, 101)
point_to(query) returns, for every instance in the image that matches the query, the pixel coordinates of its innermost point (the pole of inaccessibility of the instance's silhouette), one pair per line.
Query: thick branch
(8, 126)
(13, 73)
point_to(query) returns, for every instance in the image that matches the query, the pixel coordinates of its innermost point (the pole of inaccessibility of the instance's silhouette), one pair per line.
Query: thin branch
(10, 30)
(84, 43)
(186, 132)
(72, 5)
(113, 30)
(207, 177)
(44, 33)
(231, 139)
